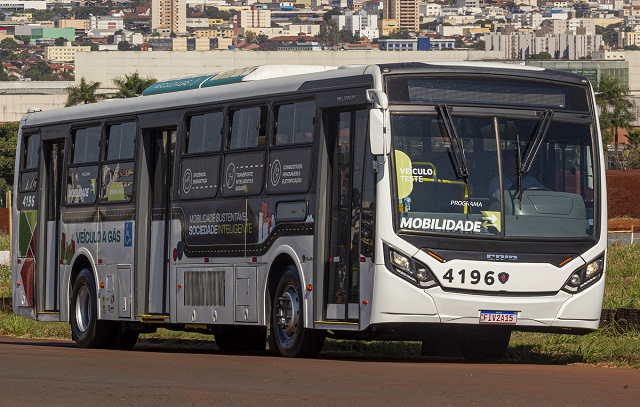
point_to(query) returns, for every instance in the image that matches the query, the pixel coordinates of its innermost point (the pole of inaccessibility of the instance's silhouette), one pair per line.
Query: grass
(609, 346)
(623, 277)
(5, 242)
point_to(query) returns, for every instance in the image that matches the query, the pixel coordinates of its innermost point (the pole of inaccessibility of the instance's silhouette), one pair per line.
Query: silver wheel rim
(83, 308)
(288, 311)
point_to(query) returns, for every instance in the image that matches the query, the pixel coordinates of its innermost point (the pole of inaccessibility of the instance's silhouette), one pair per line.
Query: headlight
(585, 276)
(409, 268)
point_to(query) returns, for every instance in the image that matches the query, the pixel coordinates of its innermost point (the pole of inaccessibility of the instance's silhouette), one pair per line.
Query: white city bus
(276, 206)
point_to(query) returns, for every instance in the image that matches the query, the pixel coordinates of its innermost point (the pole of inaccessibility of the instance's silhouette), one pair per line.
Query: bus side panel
(24, 273)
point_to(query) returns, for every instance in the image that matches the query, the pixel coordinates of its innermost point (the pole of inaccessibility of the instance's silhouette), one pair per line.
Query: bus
(275, 206)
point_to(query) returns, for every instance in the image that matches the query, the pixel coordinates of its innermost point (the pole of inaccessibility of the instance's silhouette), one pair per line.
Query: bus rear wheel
(86, 330)
(287, 319)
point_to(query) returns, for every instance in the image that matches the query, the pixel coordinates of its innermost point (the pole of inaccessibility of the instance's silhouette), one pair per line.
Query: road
(56, 373)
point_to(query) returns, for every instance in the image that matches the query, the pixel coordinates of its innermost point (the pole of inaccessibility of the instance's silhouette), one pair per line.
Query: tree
(124, 46)
(250, 36)
(8, 140)
(60, 41)
(348, 37)
(328, 35)
(540, 55)
(37, 72)
(83, 93)
(609, 33)
(328, 16)
(214, 12)
(615, 110)
(132, 85)
(93, 45)
(400, 35)
(8, 43)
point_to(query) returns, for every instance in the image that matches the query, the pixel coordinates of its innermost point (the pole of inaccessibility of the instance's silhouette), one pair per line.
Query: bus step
(153, 319)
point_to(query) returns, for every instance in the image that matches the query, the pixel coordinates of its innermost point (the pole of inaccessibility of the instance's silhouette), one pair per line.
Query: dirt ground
(623, 187)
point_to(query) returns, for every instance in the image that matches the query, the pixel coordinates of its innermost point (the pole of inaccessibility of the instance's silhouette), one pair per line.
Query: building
(63, 53)
(359, 23)
(214, 32)
(82, 25)
(411, 44)
(609, 55)
(169, 16)
(628, 38)
(17, 5)
(111, 23)
(254, 18)
(406, 12)
(39, 34)
(520, 46)
(593, 70)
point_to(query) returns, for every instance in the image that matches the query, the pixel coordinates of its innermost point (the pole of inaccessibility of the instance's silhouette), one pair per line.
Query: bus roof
(282, 79)
(252, 73)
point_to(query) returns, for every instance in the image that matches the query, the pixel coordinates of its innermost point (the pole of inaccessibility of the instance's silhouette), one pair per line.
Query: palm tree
(615, 109)
(132, 85)
(83, 93)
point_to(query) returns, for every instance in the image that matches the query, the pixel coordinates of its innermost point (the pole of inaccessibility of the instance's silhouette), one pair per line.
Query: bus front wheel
(86, 330)
(287, 319)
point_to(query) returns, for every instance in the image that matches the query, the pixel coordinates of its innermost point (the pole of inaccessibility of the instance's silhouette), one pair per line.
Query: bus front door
(153, 216)
(345, 133)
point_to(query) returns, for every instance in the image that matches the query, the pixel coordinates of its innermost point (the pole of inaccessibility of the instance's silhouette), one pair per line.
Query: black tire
(86, 330)
(481, 344)
(241, 338)
(287, 319)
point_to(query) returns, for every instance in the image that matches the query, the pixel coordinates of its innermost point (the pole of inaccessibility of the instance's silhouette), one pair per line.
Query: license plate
(498, 317)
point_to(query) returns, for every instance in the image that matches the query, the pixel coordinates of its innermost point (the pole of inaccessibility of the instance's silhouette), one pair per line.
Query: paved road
(56, 373)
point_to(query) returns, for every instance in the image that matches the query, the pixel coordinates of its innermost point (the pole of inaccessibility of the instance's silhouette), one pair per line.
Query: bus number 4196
(474, 277)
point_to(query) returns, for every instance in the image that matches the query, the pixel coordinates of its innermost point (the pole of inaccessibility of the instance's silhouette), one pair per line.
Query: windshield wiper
(456, 142)
(536, 141)
(531, 149)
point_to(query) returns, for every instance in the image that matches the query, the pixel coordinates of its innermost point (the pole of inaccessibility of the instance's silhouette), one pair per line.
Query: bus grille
(204, 288)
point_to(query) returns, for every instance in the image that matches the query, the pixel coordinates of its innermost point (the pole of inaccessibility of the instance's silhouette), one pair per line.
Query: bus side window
(29, 173)
(118, 172)
(204, 133)
(294, 123)
(82, 181)
(248, 127)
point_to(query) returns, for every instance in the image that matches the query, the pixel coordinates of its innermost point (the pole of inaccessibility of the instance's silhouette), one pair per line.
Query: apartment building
(254, 18)
(109, 23)
(519, 46)
(359, 23)
(169, 16)
(82, 25)
(628, 38)
(63, 53)
(406, 12)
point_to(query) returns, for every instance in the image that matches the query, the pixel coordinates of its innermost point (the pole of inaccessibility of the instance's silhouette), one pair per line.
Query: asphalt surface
(56, 373)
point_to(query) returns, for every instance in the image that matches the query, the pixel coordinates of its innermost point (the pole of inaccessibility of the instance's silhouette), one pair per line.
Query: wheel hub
(288, 311)
(83, 309)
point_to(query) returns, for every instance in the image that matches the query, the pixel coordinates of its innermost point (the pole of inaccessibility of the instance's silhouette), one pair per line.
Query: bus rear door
(153, 216)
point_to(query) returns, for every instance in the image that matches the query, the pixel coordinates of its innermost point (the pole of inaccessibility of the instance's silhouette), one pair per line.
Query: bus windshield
(527, 175)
